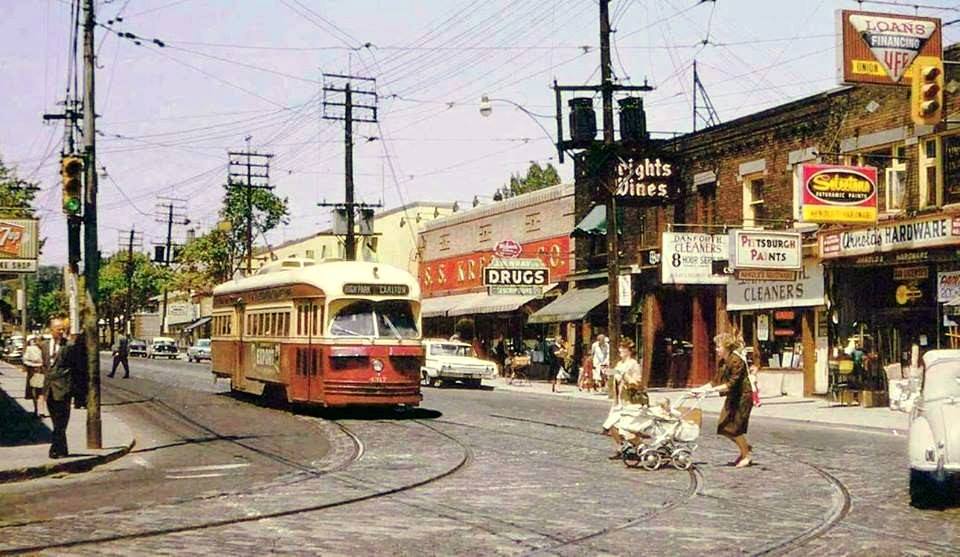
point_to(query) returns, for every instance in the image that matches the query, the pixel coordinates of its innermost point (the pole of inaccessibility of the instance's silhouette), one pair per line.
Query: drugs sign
(516, 276)
(879, 48)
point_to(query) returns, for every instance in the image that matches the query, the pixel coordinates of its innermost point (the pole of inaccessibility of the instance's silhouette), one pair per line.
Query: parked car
(934, 439)
(137, 348)
(447, 360)
(13, 350)
(199, 351)
(163, 347)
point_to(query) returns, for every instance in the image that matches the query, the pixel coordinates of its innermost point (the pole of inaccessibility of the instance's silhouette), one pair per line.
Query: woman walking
(33, 365)
(733, 381)
(630, 392)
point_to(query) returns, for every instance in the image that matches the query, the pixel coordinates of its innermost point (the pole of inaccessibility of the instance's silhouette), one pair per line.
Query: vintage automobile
(447, 360)
(163, 347)
(137, 348)
(199, 351)
(934, 441)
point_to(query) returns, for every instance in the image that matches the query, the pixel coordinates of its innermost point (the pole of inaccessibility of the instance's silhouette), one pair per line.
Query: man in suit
(58, 386)
(121, 351)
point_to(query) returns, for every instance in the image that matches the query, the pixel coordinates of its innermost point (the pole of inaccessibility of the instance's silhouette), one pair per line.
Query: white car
(447, 360)
(935, 430)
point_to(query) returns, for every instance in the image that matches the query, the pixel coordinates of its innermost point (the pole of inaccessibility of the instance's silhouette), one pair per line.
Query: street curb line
(71, 467)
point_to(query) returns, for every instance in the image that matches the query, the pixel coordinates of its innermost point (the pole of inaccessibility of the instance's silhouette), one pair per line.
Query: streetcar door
(315, 311)
(305, 381)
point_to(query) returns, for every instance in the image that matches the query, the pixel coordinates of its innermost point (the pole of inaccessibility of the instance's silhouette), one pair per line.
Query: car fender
(921, 439)
(431, 372)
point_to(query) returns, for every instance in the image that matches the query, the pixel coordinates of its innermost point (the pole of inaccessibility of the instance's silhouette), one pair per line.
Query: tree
(16, 195)
(212, 258)
(45, 296)
(149, 279)
(537, 178)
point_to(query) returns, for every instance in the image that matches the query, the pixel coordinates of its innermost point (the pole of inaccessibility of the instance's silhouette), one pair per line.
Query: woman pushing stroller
(630, 395)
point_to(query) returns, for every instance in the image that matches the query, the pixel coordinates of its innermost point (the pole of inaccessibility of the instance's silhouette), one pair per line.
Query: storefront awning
(572, 306)
(441, 305)
(198, 323)
(595, 223)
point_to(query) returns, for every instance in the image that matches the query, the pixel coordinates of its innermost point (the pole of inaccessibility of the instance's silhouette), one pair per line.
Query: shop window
(707, 203)
(891, 165)
(931, 186)
(310, 254)
(753, 202)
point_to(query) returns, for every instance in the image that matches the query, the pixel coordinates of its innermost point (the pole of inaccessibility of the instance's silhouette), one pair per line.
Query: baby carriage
(665, 434)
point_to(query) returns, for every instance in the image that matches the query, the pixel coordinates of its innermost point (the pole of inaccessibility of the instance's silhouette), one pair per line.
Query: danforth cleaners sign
(879, 48)
(646, 180)
(838, 194)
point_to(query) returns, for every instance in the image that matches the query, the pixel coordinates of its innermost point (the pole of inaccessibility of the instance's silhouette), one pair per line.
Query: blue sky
(235, 68)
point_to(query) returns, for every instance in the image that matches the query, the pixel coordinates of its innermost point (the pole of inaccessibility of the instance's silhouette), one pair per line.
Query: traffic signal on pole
(71, 169)
(926, 94)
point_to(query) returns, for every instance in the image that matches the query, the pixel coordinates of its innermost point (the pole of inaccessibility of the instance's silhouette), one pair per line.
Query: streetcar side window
(249, 325)
(316, 320)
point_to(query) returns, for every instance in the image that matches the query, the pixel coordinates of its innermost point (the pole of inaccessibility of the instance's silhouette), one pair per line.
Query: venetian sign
(645, 180)
(838, 194)
(879, 48)
(766, 250)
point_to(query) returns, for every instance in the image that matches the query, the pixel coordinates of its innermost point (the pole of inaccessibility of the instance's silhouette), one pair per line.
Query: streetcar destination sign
(356, 289)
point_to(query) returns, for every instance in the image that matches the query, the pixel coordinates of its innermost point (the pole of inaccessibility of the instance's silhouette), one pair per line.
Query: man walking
(121, 351)
(58, 385)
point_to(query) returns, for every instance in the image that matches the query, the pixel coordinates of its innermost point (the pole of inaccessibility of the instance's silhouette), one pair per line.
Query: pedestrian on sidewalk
(34, 365)
(600, 355)
(732, 380)
(58, 386)
(585, 380)
(630, 392)
(121, 352)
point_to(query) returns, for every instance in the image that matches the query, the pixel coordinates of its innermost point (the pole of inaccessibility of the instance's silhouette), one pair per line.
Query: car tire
(427, 380)
(926, 491)
(473, 383)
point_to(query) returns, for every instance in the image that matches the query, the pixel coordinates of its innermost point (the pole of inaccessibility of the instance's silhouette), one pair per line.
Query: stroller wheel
(682, 459)
(650, 459)
(630, 457)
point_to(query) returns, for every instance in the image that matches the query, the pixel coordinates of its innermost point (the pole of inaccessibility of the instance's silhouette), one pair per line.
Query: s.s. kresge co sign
(646, 180)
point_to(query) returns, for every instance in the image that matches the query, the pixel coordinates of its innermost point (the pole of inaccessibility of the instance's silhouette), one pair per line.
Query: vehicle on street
(13, 349)
(163, 347)
(934, 439)
(137, 348)
(199, 351)
(332, 333)
(448, 360)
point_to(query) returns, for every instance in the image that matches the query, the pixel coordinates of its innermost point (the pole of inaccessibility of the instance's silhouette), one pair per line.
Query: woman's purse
(36, 380)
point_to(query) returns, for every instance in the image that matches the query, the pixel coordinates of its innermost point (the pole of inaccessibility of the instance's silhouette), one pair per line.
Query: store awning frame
(198, 323)
(594, 223)
(574, 305)
(475, 303)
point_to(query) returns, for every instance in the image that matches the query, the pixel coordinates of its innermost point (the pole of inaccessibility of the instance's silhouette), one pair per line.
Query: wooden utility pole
(173, 212)
(253, 180)
(334, 85)
(609, 177)
(128, 244)
(91, 265)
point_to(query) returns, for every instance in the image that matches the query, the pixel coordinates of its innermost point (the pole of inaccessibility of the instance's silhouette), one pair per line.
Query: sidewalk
(25, 440)
(811, 410)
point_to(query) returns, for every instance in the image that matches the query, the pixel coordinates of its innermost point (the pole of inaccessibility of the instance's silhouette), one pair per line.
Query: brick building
(743, 174)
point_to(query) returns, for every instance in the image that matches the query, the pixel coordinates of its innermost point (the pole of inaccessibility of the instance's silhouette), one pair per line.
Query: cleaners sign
(806, 291)
(894, 236)
(766, 250)
(879, 48)
(688, 257)
(838, 194)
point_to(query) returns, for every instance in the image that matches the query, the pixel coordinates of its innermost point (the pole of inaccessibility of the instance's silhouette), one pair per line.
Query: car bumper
(461, 374)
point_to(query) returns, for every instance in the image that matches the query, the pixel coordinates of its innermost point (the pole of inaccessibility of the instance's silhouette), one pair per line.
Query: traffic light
(926, 94)
(71, 168)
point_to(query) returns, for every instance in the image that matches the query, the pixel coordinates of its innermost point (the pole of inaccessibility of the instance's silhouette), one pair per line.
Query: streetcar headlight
(377, 365)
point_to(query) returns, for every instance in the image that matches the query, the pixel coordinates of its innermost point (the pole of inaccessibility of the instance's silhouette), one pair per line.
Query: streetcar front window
(386, 319)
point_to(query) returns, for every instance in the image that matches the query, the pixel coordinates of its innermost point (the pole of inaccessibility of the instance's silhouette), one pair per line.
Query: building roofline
(511, 204)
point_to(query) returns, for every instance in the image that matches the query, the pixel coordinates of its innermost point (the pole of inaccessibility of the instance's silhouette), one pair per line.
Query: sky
(228, 70)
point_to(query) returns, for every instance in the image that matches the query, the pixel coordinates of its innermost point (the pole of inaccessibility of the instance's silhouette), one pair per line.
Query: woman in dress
(630, 392)
(33, 365)
(733, 381)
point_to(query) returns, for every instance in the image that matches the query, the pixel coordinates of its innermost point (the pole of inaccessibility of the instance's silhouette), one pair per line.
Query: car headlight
(446, 367)
(377, 365)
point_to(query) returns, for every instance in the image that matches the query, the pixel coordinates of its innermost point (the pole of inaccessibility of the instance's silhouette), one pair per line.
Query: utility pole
(91, 267)
(128, 240)
(254, 180)
(333, 86)
(172, 211)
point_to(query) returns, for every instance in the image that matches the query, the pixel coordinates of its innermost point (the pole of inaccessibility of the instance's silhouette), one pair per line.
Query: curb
(71, 467)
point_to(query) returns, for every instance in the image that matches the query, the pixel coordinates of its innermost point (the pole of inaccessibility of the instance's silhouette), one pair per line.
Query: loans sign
(766, 250)
(838, 194)
(879, 48)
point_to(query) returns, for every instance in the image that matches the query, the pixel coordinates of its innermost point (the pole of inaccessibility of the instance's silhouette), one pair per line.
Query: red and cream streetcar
(333, 333)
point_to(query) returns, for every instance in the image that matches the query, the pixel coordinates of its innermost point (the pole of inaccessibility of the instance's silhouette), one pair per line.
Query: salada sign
(838, 194)
(879, 48)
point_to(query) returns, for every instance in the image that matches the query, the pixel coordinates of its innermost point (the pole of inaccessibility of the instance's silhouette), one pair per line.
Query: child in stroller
(663, 434)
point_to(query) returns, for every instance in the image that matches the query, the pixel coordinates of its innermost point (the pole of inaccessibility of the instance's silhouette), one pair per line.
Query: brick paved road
(482, 472)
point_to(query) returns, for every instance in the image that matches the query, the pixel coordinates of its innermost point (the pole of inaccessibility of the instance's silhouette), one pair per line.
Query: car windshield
(450, 350)
(941, 380)
(203, 343)
(386, 319)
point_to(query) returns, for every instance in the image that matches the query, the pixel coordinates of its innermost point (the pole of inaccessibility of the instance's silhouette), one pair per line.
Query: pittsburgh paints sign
(902, 235)
(766, 250)
(806, 291)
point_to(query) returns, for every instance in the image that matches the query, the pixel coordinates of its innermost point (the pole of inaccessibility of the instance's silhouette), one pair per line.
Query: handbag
(36, 380)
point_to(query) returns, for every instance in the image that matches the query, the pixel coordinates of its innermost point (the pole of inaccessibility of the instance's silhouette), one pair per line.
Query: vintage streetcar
(336, 333)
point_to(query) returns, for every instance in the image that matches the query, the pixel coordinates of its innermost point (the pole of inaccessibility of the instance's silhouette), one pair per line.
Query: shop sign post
(646, 179)
(838, 194)
(879, 48)
(688, 257)
(776, 251)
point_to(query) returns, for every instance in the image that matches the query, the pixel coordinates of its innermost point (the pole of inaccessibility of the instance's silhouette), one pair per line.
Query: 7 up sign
(880, 48)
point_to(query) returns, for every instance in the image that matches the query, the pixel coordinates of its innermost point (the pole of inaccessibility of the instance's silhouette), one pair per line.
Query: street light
(486, 108)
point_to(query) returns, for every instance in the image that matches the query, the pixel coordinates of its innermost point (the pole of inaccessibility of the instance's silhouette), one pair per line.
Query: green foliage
(269, 211)
(148, 280)
(537, 178)
(205, 261)
(16, 195)
(45, 296)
